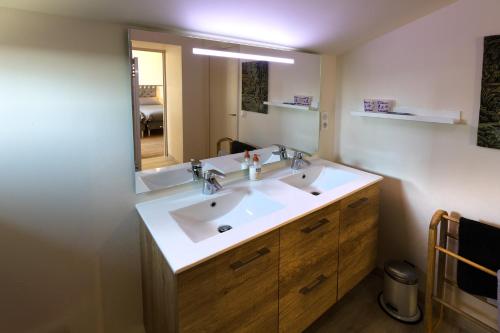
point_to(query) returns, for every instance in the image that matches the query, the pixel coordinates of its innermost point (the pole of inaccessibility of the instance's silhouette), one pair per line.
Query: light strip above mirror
(237, 55)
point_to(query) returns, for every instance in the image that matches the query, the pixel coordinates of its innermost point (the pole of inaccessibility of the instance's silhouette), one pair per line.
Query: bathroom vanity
(239, 255)
(300, 240)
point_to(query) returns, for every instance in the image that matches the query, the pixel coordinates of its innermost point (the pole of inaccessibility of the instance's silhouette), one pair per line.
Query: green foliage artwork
(488, 134)
(254, 86)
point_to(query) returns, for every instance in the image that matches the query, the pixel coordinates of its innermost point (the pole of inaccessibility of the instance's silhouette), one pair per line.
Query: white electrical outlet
(324, 120)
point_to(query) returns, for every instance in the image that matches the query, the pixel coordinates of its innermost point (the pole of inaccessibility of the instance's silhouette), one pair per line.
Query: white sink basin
(167, 177)
(318, 179)
(241, 206)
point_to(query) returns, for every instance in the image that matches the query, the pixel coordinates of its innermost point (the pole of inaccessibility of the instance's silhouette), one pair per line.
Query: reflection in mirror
(210, 101)
(151, 107)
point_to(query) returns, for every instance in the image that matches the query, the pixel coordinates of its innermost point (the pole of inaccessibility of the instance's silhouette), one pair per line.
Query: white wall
(297, 129)
(175, 127)
(433, 63)
(327, 106)
(150, 67)
(68, 230)
(293, 128)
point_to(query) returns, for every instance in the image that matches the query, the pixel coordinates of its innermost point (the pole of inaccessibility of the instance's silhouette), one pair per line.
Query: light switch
(324, 120)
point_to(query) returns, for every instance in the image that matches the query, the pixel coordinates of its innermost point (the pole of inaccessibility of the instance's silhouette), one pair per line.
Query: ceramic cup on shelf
(370, 105)
(302, 100)
(384, 105)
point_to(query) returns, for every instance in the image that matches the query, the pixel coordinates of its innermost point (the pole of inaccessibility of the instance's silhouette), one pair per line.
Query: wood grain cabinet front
(281, 281)
(247, 287)
(236, 291)
(308, 268)
(358, 237)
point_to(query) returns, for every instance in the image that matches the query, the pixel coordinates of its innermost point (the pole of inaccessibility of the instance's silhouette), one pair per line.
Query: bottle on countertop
(246, 161)
(256, 168)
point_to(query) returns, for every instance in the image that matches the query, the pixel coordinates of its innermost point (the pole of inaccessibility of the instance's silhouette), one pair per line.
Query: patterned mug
(384, 105)
(370, 105)
(302, 100)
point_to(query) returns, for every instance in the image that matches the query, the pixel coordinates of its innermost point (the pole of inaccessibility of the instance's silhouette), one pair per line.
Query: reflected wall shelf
(444, 117)
(291, 106)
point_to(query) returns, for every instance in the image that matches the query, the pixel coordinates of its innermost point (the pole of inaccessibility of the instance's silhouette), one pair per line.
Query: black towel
(240, 147)
(480, 243)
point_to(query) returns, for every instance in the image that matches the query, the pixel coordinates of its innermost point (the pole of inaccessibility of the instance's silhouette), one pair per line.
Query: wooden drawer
(196, 299)
(247, 286)
(358, 237)
(308, 268)
(236, 291)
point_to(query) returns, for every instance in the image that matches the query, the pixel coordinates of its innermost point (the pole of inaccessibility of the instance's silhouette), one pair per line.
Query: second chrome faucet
(298, 161)
(282, 152)
(210, 183)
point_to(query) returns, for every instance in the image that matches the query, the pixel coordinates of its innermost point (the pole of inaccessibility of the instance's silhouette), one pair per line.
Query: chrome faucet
(196, 169)
(210, 183)
(281, 152)
(298, 160)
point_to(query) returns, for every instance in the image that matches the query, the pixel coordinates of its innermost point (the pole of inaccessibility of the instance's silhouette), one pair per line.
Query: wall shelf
(291, 106)
(445, 117)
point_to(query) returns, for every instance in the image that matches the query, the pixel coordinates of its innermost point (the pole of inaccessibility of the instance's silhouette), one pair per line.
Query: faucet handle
(209, 174)
(299, 153)
(281, 148)
(298, 159)
(196, 167)
(195, 163)
(282, 151)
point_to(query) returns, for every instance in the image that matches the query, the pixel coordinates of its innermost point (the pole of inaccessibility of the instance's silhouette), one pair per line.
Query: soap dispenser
(246, 161)
(255, 169)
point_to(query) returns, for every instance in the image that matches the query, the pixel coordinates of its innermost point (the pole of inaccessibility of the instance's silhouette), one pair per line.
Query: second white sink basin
(318, 179)
(222, 213)
(167, 177)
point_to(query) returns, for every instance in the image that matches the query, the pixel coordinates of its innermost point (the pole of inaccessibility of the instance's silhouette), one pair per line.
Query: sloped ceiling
(324, 26)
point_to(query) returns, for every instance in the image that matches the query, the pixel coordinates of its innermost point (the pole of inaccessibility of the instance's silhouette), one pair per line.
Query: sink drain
(224, 228)
(315, 193)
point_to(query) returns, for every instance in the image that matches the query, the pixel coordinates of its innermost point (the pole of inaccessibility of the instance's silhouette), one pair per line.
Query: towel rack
(440, 248)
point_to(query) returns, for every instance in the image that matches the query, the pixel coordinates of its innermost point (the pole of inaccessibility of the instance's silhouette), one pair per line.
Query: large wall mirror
(209, 101)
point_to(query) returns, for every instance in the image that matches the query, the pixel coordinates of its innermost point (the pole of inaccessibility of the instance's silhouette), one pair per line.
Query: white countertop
(182, 253)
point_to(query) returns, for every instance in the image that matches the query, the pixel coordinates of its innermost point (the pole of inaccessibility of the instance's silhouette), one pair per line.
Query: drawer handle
(240, 263)
(307, 289)
(310, 229)
(358, 203)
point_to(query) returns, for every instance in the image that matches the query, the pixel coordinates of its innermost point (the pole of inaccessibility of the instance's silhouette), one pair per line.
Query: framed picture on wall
(488, 134)
(254, 86)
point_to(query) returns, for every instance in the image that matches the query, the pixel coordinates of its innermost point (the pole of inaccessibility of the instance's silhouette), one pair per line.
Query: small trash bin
(399, 297)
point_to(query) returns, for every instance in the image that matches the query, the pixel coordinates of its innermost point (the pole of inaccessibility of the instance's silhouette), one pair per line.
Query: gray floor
(359, 311)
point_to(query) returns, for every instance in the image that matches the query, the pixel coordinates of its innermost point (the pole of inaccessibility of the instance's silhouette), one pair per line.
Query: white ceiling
(327, 26)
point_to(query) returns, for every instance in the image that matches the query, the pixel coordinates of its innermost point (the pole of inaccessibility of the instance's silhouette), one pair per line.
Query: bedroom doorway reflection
(152, 112)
